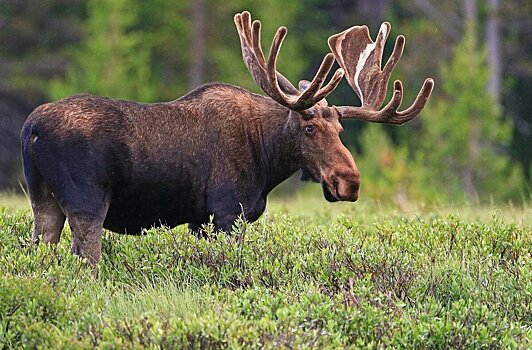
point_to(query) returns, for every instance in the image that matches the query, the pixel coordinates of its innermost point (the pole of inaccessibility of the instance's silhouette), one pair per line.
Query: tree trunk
(451, 25)
(468, 176)
(473, 142)
(470, 10)
(197, 68)
(494, 50)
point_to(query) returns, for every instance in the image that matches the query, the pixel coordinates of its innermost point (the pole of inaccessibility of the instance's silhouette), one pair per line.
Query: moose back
(219, 150)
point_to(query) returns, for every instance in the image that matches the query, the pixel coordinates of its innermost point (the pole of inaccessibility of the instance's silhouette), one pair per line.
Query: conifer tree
(465, 137)
(115, 59)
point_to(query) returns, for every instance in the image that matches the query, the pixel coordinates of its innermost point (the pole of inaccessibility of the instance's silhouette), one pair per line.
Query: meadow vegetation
(307, 274)
(407, 271)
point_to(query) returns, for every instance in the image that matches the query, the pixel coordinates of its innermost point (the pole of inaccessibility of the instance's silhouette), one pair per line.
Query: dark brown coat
(127, 166)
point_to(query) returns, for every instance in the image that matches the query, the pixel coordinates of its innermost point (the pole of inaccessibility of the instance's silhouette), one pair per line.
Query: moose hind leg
(86, 214)
(49, 219)
(87, 235)
(48, 216)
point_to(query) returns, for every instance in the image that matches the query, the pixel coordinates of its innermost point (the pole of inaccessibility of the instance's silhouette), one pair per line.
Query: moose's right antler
(360, 57)
(273, 83)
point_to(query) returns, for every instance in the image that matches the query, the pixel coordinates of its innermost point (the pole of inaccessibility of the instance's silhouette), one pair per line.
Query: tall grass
(307, 274)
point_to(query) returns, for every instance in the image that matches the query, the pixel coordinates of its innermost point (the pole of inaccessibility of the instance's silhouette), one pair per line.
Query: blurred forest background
(472, 143)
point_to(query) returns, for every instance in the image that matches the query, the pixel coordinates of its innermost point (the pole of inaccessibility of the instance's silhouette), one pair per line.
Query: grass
(12, 201)
(307, 274)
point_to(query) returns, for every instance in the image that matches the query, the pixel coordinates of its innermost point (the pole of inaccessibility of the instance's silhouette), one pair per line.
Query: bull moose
(219, 150)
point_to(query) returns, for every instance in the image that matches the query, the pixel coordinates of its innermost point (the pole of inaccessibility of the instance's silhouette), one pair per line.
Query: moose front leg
(224, 224)
(199, 231)
(227, 208)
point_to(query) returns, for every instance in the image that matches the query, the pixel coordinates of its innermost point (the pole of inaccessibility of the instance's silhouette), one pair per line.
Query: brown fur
(127, 166)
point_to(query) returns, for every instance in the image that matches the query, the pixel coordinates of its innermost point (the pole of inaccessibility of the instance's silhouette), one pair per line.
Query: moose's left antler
(273, 83)
(361, 57)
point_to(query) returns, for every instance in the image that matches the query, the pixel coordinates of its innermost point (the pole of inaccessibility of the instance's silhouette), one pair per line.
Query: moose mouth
(334, 190)
(339, 190)
(308, 175)
(330, 196)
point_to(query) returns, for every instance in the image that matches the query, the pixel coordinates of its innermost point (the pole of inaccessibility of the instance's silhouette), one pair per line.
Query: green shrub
(30, 312)
(357, 277)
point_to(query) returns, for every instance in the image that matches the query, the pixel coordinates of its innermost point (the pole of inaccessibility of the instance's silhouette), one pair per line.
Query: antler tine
(255, 37)
(361, 57)
(390, 114)
(317, 82)
(272, 64)
(308, 97)
(265, 74)
(420, 101)
(246, 25)
(333, 83)
(256, 42)
(285, 85)
(281, 90)
(395, 56)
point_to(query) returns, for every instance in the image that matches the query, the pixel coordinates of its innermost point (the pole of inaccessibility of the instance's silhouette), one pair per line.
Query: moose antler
(273, 83)
(360, 57)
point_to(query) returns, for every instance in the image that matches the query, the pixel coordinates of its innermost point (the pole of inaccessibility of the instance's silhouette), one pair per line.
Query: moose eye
(309, 129)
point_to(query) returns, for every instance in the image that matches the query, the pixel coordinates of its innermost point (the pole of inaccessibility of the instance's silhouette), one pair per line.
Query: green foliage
(225, 53)
(31, 312)
(464, 134)
(458, 155)
(362, 277)
(115, 59)
(167, 27)
(142, 53)
(387, 171)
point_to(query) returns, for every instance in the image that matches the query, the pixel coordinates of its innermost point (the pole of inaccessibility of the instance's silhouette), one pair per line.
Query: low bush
(363, 277)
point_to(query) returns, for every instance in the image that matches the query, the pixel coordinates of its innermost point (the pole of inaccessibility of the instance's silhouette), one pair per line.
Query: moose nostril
(336, 186)
(354, 187)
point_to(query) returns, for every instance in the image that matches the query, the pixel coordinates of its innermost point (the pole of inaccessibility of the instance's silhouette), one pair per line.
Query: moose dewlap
(217, 151)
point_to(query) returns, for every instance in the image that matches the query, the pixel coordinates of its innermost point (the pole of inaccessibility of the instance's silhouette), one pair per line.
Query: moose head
(324, 158)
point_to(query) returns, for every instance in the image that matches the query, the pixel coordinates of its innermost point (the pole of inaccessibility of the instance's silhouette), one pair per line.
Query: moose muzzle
(341, 187)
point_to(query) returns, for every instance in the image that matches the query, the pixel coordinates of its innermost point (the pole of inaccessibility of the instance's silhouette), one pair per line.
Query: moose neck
(275, 134)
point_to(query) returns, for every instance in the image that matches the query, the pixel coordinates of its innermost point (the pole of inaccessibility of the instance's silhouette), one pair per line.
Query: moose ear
(303, 85)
